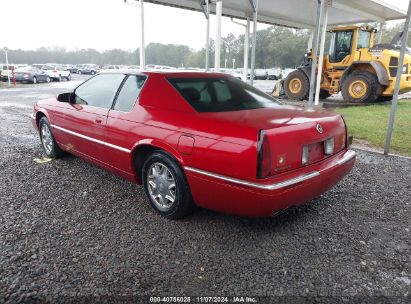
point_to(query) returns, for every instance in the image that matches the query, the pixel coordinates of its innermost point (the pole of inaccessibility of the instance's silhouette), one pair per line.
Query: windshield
(340, 45)
(221, 94)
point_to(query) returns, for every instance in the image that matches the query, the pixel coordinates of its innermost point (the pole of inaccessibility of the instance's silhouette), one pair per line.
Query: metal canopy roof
(299, 13)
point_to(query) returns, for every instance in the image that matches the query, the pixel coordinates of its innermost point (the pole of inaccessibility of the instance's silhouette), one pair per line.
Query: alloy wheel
(161, 185)
(46, 138)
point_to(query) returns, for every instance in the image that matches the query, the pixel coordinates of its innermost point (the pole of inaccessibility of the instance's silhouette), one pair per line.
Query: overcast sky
(104, 24)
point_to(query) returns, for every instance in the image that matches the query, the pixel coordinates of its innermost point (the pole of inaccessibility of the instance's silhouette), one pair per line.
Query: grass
(370, 123)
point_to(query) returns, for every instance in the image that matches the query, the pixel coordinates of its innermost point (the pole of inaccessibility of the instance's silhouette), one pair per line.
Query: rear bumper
(245, 198)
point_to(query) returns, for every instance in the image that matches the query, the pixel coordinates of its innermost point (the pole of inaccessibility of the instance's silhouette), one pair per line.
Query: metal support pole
(207, 59)
(253, 47)
(142, 45)
(246, 46)
(219, 12)
(321, 57)
(246, 49)
(316, 40)
(310, 42)
(7, 65)
(381, 31)
(404, 41)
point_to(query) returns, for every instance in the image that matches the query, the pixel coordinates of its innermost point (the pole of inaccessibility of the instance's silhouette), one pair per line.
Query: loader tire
(297, 85)
(361, 86)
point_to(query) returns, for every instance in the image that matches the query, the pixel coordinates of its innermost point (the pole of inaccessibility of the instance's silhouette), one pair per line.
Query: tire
(324, 94)
(48, 79)
(297, 85)
(34, 80)
(68, 78)
(48, 142)
(361, 86)
(159, 173)
(92, 72)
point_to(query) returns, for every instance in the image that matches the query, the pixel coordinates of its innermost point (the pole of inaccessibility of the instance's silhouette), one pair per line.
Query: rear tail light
(263, 156)
(329, 146)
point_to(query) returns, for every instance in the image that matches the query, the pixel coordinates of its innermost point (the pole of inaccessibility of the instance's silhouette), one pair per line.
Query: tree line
(276, 47)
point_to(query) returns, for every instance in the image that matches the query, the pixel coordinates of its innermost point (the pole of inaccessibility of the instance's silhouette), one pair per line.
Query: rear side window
(99, 91)
(221, 94)
(129, 93)
(363, 39)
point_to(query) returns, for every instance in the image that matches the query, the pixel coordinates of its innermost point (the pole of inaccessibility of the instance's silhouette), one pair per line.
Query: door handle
(99, 120)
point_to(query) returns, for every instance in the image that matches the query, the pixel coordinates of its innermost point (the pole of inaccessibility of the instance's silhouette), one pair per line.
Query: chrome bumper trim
(347, 156)
(275, 186)
(91, 139)
(289, 182)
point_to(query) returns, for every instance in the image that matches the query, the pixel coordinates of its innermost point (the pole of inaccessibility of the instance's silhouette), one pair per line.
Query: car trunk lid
(292, 146)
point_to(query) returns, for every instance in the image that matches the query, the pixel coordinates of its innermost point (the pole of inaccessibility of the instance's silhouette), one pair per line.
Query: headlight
(329, 146)
(304, 158)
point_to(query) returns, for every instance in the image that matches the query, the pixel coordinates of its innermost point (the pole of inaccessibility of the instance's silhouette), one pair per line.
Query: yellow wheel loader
(362, 71)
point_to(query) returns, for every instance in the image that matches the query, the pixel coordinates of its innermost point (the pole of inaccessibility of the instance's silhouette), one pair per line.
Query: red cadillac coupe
(198, 139)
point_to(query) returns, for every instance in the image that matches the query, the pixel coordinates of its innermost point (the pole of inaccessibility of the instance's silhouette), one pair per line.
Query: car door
(85, 119)
(122, 124)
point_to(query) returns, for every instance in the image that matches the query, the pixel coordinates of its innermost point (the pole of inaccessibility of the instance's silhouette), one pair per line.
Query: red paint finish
(185, 144)
(220, 144)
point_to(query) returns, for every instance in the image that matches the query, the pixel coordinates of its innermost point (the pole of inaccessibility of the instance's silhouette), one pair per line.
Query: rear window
(221, 94)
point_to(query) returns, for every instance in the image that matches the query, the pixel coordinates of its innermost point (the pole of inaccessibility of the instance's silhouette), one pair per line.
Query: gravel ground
(70, 231)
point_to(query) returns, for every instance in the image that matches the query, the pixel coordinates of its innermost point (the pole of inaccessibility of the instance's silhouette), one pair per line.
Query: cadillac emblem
(319, 128)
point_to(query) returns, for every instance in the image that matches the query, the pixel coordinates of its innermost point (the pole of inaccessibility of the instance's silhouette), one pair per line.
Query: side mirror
(66, 97)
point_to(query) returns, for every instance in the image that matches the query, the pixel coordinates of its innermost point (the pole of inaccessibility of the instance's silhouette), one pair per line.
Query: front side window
(340, 45)
(129, 93)
(221, 94)
(99, 91)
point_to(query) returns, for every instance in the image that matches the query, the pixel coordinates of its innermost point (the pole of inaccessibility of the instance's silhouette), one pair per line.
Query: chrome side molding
(274, 186)
(91, 139)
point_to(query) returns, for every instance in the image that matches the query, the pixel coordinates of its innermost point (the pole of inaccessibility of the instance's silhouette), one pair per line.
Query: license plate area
(315, 152)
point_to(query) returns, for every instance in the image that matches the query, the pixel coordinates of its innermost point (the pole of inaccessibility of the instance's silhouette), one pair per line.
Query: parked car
(56, 72)
(110, 67)
(231, 72)
(274, 74)
(198, 139)
(89, 69)
(31, 74)
(7, 70)
(260, 74)
(72, 68)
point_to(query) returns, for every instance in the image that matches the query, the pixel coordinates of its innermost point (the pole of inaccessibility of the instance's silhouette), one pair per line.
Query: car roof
(169, 73)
